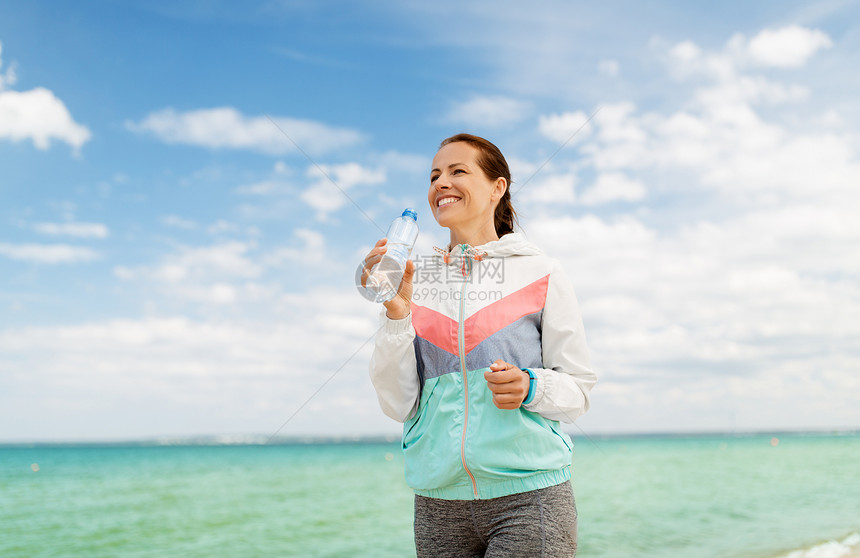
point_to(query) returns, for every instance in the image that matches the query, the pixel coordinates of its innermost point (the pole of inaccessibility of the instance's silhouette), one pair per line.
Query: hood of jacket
(512, 244)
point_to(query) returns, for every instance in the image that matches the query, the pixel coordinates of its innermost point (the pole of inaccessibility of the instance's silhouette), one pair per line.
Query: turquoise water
(716, 496)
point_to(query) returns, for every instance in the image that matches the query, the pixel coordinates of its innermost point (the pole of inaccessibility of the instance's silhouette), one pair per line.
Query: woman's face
(460, 193)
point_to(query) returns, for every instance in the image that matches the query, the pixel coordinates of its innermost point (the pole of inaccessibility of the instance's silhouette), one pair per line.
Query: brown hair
(494, 165)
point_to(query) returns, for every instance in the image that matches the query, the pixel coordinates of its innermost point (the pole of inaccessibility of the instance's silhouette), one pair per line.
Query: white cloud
(222, 226)
(211, 278)
(786, 47)
(610, 68)
(557, 188)
(227, 128)
(38, 115)
(206, 263)
(740, 283)
(211, 376)
(266, 187)
(229, 259)
(488, 111)
(724, 140)
(48, 253)
(311, 252)
(328, 193)
(8, 77)
(80, 230)
(752, 89)
(748, 300)
(686, 52)
(405, 162)
(179, 222)
(216, 293)
(279, 182)
(624, 238)
(560, 127)
(613, 186)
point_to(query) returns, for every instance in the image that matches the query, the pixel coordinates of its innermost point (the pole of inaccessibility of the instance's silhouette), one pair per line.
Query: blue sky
(171, 264)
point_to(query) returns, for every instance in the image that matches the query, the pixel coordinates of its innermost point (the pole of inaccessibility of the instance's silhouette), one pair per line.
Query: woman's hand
(509, 384)
(398, 307)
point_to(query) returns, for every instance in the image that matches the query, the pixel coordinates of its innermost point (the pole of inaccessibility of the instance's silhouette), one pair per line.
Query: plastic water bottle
(384, 278)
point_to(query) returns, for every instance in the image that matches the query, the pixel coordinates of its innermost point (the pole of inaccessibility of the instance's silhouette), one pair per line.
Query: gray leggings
(540, 523)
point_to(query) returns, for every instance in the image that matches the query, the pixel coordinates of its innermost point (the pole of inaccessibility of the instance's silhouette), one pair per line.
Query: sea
(773, 495)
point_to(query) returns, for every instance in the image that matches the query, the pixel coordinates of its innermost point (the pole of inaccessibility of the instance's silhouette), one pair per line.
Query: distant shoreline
(261, 440)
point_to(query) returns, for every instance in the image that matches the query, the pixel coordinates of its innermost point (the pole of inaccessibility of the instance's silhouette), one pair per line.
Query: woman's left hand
(509, 384)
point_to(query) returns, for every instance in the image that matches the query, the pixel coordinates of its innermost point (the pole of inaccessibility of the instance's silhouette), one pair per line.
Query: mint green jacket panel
(431, 438)
(504, 451)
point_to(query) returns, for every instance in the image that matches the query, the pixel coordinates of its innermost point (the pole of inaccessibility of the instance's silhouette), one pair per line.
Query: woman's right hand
(398, 307)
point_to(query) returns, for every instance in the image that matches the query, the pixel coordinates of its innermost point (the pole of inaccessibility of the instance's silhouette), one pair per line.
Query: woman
(481, 354)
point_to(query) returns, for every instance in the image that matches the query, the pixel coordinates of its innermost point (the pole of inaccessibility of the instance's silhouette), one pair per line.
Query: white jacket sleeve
(393, 368)
(562, 387)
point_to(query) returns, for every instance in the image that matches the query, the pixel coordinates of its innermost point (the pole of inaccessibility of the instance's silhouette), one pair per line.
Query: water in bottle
(384, 279)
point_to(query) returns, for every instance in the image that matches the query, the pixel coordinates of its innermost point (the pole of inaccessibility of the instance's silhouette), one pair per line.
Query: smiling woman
(172, 264)
(464, 163)
(480, 363)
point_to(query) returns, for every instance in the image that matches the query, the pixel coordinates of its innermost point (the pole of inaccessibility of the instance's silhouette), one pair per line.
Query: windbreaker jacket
(514, 304)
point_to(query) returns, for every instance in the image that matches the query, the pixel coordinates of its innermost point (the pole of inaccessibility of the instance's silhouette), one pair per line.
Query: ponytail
(505, 216)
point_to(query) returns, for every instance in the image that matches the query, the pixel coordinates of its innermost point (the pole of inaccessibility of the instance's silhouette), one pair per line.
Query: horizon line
(324, 439)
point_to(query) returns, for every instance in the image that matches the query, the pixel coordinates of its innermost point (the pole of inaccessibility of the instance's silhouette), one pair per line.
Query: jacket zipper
(461, 343)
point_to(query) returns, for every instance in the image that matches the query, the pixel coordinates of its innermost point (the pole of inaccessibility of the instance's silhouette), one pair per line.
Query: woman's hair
(494, 165)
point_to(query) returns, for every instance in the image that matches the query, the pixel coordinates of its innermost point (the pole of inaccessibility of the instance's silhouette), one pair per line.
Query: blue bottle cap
(409, 212)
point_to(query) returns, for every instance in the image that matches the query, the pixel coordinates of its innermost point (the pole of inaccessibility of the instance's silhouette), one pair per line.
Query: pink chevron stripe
(504, 312)
(439, 329)
(435, 327)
